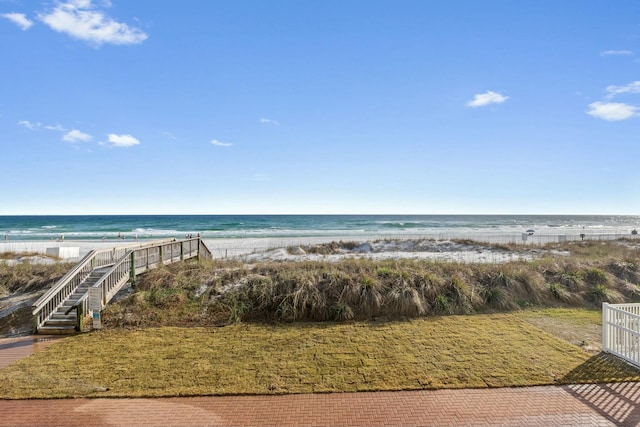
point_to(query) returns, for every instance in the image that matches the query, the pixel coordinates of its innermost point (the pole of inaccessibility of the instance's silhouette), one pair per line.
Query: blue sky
(255, 107)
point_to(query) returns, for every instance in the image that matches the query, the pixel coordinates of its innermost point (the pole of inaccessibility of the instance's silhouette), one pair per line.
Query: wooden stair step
(62, 316)
(58, 323)
(57, 330)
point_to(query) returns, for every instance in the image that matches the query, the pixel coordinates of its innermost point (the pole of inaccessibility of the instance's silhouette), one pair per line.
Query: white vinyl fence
(621, 331)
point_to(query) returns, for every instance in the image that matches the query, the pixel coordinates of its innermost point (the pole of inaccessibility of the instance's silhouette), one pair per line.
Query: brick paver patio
(575, 405)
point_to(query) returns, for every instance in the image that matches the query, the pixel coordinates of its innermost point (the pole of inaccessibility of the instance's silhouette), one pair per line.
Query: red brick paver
(575, 405)
(12, 349)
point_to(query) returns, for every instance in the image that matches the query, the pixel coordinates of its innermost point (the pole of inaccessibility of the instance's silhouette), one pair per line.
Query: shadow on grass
(612, 398)
(601, 368)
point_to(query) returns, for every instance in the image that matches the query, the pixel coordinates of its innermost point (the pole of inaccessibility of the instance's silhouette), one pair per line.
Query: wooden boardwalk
(64, 308)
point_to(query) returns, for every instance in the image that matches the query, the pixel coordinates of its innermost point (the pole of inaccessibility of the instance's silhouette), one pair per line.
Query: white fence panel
(621, 331)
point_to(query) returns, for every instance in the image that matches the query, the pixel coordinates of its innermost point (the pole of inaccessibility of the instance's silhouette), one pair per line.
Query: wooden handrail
(104, 277)
(60, 283)
(203, 250)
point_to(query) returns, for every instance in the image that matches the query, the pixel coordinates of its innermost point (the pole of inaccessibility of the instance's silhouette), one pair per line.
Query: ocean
(101, 227)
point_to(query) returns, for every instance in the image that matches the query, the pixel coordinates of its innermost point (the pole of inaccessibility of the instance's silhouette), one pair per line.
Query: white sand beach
(304, 248)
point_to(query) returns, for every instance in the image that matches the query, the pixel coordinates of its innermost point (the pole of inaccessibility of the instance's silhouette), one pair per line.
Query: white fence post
(605, 326)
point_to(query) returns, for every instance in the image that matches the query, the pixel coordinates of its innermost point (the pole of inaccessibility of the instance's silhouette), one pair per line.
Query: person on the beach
(6, 237)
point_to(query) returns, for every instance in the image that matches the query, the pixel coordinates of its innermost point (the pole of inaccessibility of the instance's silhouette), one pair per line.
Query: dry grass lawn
(579, 326)
(440, 352)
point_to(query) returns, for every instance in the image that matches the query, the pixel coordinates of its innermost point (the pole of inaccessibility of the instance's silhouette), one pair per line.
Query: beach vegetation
(595, 276)
(559, 292)
(364, 289)
(572, 274)
(441, 305)
(627, 270)
(26, 277)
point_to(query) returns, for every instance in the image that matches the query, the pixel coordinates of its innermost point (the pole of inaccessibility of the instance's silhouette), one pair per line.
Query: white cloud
(76, 136)
(28, 124)
(633, 87)
(20, 19)
(487, 98)
(59, 128)
(612, 111)
(80, 19)
(122, 140)
(220, 144)
(616, 53)
(269, 122)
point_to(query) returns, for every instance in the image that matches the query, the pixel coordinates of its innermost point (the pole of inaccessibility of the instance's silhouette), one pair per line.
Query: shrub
(558, 292)
(237, 308)
(625, 270)
(384, 271)
(428, 284)
(404, 300)
(369, 297)
(309, 303)
(495, 296)
(632, 290)
(596, 277)
(166, 298)
(599, 294)
(461, 295)
(340, 312)
(441, 305)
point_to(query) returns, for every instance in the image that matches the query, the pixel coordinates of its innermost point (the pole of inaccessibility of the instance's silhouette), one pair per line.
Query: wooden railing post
(79, 318)
(182, 251)
(133, 266)
(36, 323)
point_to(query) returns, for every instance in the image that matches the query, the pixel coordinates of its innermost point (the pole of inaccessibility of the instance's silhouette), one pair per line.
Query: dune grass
(208, 294)
(497, 350)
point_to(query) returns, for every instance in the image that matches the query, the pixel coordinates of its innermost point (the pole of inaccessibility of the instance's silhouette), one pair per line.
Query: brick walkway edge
(575, 405)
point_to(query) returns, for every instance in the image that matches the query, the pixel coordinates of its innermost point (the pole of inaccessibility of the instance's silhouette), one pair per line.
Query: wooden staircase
(65, 318)
(64, 308)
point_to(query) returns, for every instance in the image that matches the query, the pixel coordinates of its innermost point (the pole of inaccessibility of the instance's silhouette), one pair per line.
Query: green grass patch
(497, 350)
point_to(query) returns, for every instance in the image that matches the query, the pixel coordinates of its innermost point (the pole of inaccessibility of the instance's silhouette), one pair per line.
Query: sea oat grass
(497, 350)
(362, 289)
(28, 277)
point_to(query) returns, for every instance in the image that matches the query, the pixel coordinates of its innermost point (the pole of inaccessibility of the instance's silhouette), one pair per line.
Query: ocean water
(285, 226)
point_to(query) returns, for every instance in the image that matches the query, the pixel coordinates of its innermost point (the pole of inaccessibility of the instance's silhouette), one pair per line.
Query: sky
(319, 107)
